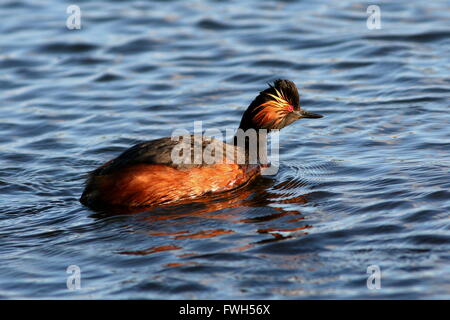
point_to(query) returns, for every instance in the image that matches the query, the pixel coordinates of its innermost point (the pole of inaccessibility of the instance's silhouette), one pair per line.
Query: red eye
(290, 108)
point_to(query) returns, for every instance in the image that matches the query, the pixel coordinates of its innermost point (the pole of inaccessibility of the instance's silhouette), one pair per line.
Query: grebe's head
(275, 108)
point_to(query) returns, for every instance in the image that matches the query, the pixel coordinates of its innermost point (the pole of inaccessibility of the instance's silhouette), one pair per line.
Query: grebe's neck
(254, 142)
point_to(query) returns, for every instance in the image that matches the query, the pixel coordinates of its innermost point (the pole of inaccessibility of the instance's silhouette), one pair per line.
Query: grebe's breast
(167, 170)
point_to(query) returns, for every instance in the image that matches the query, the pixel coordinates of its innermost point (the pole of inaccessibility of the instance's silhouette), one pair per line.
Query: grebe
(146, 174)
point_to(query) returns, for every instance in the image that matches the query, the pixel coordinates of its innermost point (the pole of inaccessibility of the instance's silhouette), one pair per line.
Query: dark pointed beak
(306, 114)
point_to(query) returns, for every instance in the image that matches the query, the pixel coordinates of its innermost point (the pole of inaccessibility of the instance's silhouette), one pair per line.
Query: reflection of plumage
(148, 175)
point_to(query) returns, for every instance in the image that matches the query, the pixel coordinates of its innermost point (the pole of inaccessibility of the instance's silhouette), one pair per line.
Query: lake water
(367, 185)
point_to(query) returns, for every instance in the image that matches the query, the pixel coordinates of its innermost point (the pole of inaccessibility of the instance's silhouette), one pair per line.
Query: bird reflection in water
(190, 220)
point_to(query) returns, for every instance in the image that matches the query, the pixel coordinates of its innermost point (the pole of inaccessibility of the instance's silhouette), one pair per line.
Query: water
(366, 185)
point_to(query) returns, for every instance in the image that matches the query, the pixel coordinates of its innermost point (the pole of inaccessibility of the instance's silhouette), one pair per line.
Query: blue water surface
(369, 184)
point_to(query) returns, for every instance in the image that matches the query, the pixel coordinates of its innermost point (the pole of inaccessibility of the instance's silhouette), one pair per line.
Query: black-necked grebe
(147, 175)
